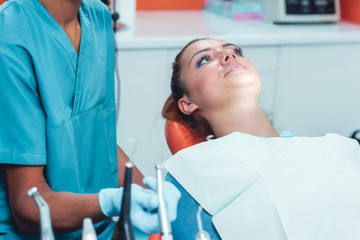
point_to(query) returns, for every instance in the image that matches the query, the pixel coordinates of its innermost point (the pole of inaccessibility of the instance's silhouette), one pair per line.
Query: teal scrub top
(57, 108)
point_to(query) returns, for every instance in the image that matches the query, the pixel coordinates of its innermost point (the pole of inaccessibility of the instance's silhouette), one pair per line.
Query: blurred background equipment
(237, 9)
(350, 11)
(301, 11)
(169, 5)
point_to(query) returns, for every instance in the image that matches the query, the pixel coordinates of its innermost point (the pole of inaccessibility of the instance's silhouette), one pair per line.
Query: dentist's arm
(137, 177)
(67, 209)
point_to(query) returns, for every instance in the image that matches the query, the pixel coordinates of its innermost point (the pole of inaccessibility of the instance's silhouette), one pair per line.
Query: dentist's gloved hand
(144, 204)
(143, 208)
(171, 195)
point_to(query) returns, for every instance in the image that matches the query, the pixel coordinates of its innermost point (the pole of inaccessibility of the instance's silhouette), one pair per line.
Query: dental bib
(275, 188)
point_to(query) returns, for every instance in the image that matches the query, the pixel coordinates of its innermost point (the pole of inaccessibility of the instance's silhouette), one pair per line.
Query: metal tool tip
(159, 166)
(31, 191)
(129, 164)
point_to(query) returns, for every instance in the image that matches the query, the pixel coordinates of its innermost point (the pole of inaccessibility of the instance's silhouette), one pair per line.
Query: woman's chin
(242, 81)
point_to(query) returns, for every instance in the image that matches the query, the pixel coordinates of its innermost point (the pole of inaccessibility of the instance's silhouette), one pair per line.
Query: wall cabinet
(318, 89)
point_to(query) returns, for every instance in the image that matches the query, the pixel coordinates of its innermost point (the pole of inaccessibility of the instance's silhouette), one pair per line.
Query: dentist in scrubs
(57, 122)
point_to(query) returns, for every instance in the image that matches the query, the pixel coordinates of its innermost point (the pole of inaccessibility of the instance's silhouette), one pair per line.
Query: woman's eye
(202, 60)
(238, 51)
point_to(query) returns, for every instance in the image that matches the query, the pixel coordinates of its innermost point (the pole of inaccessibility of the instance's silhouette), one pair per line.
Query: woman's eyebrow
(208, 49)
(229, 44)
(200, 51)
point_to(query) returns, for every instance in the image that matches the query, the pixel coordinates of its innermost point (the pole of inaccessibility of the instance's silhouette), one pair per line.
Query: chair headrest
(179, 136)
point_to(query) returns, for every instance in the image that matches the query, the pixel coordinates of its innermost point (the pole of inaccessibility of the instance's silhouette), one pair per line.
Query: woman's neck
(251, 120)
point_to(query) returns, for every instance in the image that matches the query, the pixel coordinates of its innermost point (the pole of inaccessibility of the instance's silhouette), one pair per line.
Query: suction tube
(202, 234)
(163, 215)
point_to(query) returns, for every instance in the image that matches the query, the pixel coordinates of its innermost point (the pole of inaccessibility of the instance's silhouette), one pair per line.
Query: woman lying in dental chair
(253, 182)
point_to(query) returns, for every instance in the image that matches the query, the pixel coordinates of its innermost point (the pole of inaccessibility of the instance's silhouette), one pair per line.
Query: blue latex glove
(144, 204)
(171, 195)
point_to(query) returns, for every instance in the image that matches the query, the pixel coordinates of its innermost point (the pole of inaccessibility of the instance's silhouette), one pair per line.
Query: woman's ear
(186, 106)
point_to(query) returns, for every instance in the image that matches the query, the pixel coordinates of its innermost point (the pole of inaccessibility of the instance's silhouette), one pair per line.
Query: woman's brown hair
(171, 110)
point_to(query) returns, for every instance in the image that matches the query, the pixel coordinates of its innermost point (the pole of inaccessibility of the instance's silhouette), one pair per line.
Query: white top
(173, 29)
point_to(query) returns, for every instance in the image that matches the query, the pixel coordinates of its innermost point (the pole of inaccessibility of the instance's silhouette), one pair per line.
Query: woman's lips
(234, 67)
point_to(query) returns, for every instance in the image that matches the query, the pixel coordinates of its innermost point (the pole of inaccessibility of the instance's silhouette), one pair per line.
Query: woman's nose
(228, 55)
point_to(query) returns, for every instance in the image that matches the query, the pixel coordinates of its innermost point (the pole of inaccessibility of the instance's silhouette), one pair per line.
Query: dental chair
(178, 136)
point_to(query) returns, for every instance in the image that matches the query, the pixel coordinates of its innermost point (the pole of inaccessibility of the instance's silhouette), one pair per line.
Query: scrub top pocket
(82, 155)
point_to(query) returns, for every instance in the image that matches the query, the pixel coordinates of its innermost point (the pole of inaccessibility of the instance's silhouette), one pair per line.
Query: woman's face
(216, 73)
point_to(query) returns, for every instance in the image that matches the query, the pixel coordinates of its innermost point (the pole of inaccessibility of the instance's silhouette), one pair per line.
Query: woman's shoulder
(286, 134)
(171, 179)
(185, 226)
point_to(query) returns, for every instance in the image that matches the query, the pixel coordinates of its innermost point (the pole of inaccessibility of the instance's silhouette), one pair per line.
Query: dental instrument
(45, 219)
(163, 215)
(88, 232)
(202, 234)
(123, 228)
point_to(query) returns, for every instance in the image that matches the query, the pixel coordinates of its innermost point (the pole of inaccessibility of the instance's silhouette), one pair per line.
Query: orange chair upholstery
(177, 137)
(155, 236)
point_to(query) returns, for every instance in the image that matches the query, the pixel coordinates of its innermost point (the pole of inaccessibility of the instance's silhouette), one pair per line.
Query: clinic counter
(172, 29)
